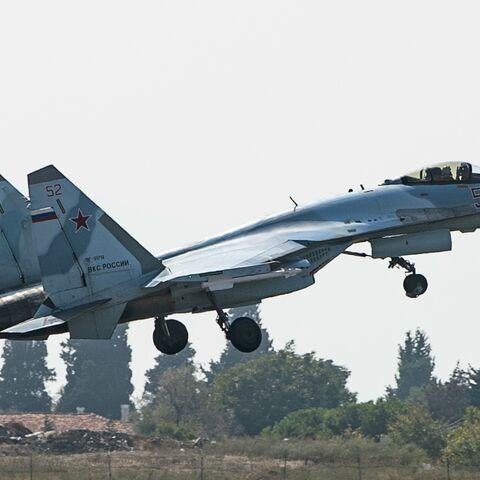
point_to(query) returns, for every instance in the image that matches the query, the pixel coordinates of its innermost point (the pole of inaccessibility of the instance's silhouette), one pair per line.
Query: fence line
(152, 465)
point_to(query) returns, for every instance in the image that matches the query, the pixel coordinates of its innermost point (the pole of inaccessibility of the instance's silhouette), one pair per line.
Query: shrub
(417, 426)
(463, 444)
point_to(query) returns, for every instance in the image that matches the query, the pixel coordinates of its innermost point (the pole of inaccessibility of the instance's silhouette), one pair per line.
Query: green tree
(463, 445)
(474, 386)
(230, 356)
(448, 400)
(177, 405)
(264, 390)
(162, 364)
(98, 375)
(415, 365)
(23, 377)
(370, 419)
(417, 426)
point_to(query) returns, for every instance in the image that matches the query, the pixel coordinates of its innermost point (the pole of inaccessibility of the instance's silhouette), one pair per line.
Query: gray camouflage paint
(317, 233)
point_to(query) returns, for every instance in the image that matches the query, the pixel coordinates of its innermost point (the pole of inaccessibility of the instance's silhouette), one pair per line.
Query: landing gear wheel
(171, 340)
(415, 285)
(245, 334)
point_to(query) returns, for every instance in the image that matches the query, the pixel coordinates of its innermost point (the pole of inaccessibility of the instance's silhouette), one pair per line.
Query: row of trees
(270, 392)
(284, 394)
(98, 372)
(98, 376)
(442, 418)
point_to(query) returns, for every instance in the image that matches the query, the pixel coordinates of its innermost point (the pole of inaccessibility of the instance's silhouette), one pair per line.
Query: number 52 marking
(53, 190)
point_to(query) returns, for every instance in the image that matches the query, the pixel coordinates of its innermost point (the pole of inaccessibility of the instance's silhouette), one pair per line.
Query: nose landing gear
(414, 284)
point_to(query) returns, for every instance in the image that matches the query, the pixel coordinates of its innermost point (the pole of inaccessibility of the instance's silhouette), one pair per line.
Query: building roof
(63, 422)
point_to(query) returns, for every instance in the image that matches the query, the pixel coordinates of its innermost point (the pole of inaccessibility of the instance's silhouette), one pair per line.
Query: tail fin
(82, 251)
(18, 261)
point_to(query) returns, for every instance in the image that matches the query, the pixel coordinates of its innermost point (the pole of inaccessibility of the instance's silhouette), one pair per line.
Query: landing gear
(243, 332)
(169, 336)
(414, 283)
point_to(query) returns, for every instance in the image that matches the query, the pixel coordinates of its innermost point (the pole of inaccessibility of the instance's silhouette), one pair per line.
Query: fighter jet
(94, 274)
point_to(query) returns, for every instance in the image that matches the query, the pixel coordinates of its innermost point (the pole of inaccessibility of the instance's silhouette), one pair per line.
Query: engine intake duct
(412, 244)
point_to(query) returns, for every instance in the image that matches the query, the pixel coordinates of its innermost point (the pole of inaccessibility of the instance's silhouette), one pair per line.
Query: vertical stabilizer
(18, 261)
(84, 255)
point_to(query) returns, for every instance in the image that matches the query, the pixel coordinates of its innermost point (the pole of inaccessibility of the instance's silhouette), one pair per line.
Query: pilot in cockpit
(436, 174)
(447, 174)
(463, 172)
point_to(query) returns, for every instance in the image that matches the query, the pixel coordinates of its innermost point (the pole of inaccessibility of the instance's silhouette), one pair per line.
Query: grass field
(193, 465)
(240, 460)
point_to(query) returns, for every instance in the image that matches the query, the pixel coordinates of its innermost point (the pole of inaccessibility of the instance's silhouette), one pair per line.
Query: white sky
(183, 119)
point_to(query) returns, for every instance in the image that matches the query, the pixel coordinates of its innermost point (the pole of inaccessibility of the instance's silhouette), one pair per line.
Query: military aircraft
(94, 274)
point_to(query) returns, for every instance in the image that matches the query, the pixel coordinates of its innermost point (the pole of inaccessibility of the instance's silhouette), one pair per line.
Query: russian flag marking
(43, 217)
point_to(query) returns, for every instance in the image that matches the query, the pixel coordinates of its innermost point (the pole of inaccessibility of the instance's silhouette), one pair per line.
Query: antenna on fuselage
(294, 202)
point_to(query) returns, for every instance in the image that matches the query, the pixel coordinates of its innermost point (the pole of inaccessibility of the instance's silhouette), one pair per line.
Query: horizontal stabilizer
(58, 318)
(34, 324)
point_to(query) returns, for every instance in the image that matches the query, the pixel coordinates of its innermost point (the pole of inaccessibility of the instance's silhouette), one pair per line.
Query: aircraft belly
(242, 293)
(149, 307)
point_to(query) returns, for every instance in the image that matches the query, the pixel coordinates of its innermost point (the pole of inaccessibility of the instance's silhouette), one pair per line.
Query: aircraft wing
(274, 251)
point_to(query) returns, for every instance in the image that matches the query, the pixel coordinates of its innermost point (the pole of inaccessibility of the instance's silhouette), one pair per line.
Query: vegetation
(416, 426)
(98, 375)
(230, 355)
(464, 443)
(163, 362)
(262, 391)
(369, 419)
(415, 365)
(265, 403)
(241, 459)
(284, 395)
(23, 377)
(175, 409)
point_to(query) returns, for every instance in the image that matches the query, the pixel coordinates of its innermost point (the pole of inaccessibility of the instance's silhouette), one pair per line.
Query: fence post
(201, 466)
(31, 465)
(448, 469)
(109, 463)
(285, 466)
(359, 466)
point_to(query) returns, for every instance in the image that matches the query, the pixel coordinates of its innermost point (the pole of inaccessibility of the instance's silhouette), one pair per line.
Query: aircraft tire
(174, 343)
(415, 285)
(245, 334)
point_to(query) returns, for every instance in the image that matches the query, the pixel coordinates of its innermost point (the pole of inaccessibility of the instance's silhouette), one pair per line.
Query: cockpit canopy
(441, 174)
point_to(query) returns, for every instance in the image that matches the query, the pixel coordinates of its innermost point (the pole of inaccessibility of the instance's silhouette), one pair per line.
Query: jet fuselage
(390, 209)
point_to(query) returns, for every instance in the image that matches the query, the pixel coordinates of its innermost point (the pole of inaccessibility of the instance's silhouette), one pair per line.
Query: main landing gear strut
(414, 283)
(171, 336)
(243, 332)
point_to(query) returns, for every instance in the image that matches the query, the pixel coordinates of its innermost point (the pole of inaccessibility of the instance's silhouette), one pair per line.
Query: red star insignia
(80, 221)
